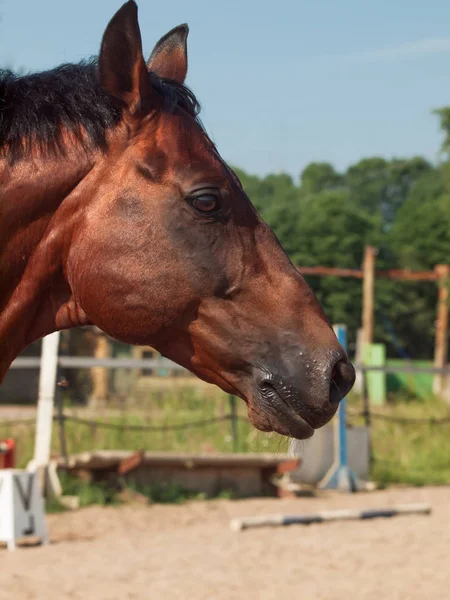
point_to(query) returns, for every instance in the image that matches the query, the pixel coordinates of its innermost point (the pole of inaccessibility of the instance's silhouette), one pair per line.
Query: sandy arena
(189, 552)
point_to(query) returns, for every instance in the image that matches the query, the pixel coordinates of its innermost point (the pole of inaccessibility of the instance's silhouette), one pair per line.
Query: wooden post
(100, 376)
(368, 294)
(441, 339)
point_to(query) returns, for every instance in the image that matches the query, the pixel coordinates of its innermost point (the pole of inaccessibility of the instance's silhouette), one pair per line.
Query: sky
(281, 83)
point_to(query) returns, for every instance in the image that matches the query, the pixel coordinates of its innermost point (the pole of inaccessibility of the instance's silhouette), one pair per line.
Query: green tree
(420, 239)
(332, 231)
(381, 187)
(317, 177)
(420, 236)
(401, 206)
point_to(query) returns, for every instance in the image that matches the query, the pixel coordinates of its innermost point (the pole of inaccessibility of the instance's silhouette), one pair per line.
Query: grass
(52, 506)
(100, 494)
(172, 493)
(415, 454)
(410, 453)
(172, 409)
(88, 493)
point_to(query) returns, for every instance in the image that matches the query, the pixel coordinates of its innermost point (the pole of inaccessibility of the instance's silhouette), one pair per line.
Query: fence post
(441, 340)
(233, 419)
(368, 294)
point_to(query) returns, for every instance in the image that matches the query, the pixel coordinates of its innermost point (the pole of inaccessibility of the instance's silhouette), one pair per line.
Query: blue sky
(281, 83)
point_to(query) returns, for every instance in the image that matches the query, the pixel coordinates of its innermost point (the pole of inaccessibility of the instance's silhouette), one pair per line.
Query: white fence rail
(88, 362)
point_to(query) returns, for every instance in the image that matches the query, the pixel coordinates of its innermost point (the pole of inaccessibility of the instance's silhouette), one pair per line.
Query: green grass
(184, 407)
(402, 453)
(88, 492)
(409, 453)
(100, 494)
(173, 493)
(53, 506)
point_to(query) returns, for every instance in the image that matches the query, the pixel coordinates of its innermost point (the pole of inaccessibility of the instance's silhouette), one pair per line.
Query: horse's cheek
(127, 294)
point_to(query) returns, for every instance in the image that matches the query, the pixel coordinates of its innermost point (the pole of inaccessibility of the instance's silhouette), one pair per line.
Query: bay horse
(117, 210)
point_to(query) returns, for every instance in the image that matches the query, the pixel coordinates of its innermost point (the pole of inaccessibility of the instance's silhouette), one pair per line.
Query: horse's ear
(122, 68)
(169, 57)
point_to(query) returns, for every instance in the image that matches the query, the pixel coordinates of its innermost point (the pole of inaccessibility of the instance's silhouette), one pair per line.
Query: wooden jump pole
(368, 294)
(331, 515)
(441, 339)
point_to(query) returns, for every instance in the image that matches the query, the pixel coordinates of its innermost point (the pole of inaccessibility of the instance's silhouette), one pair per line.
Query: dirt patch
(189, 552)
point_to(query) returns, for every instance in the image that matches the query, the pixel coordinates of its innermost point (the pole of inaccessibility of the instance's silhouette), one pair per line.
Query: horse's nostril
(341, 380)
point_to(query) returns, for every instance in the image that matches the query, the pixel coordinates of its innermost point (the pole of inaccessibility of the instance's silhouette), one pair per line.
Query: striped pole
(330, 515)
(340, 476)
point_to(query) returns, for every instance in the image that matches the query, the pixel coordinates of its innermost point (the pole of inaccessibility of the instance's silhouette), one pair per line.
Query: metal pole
(341, 334)
(233, 419)
(340, 476)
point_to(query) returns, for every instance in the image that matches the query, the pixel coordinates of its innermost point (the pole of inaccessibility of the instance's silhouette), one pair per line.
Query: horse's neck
(32, 285)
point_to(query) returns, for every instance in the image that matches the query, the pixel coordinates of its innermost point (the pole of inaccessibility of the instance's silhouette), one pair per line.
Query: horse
(117, 210)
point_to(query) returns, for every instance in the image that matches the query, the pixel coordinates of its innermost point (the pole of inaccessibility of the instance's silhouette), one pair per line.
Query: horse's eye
(206, 203)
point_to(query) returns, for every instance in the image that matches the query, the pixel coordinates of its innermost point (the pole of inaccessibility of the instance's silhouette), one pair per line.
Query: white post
(47, 386)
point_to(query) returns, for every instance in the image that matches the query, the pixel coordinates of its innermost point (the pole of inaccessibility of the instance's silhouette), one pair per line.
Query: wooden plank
(244, 475)
(288, 466)
(398, 274)
(108, 458)
(331, 271)
(406, 275)
(126, 465)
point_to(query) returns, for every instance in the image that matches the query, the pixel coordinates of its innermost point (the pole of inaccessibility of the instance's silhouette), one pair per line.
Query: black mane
(35, 109)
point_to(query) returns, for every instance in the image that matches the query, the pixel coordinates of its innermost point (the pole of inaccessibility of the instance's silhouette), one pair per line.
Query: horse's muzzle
(294, 397)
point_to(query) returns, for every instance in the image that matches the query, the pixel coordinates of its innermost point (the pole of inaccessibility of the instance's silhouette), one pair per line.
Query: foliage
(88, 492)
(401, 206)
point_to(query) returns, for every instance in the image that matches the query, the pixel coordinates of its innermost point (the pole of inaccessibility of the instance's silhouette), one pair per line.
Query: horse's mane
(35, 109)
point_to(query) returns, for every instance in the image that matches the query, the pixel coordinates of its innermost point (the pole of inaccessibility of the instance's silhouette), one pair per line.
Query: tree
(420, 236)
(401, 206)
(381, 187)
(318, 177)
(332, 231)
(444, 118)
